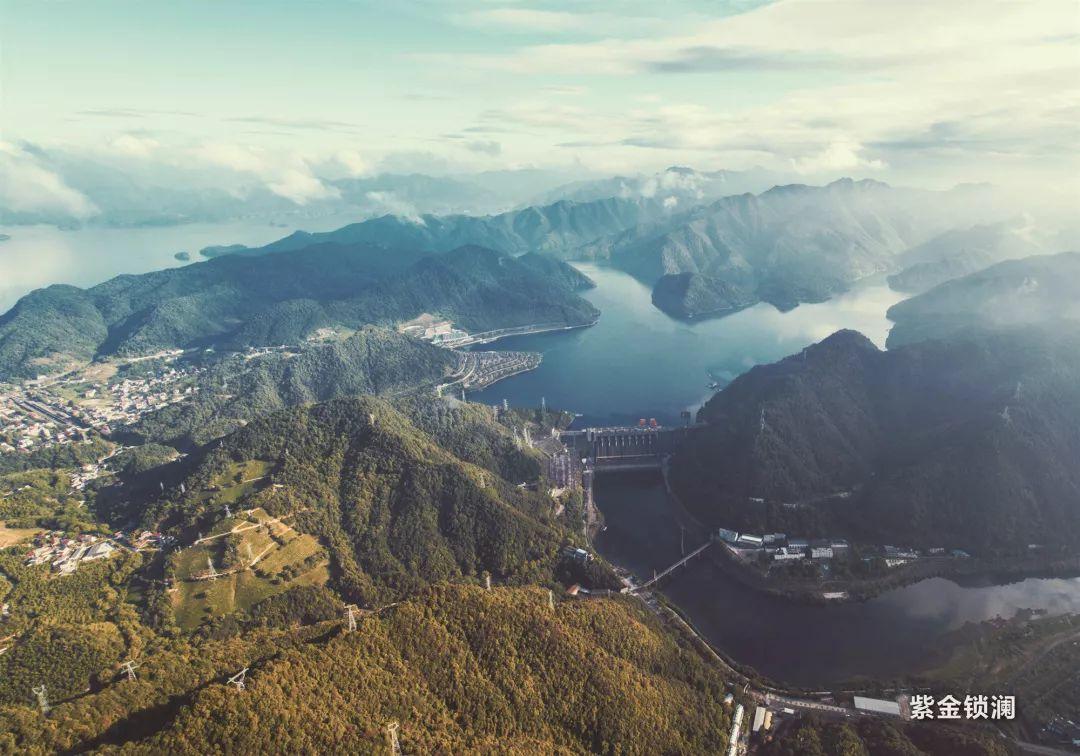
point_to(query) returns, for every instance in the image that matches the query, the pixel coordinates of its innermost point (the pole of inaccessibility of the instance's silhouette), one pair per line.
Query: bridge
(625, 448)
(661, 575)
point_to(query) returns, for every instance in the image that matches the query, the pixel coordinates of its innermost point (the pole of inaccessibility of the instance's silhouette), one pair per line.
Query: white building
(877, 705)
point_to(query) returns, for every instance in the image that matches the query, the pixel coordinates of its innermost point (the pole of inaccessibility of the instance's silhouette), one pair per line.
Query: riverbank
(802, 644)
(489, 337)
(841, 590)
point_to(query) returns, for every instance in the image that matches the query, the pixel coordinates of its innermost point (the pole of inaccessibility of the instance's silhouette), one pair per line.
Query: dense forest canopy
(970, 442)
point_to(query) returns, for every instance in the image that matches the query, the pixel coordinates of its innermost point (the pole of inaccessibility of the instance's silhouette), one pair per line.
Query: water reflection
(638, 362)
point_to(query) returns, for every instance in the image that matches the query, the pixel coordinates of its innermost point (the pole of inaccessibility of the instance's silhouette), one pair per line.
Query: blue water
(638, 362)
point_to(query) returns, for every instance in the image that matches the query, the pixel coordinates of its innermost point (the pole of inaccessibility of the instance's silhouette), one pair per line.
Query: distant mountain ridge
(787, 245)
(558, 228)
(958, 252)
(239, 301)
(1035, 289)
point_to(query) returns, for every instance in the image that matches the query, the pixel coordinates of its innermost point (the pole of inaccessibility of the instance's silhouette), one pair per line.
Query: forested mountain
(460, 669)
(239, 388)
(788, 245)
(688, 295)
(958, 252)
(396, 510)
(238, 301)
(970, 442)
(1014, 292)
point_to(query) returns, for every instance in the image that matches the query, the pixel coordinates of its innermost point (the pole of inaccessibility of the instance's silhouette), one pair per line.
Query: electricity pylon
(239, 679)
(129, 668)
(43, 701)
(392, 735)
(350, 617)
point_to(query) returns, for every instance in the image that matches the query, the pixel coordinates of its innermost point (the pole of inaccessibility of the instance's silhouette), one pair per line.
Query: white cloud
(300, 186)
(26, 186)
(286, 175)
(353, 163)
(232, 156)
(839, 156)
(988, 87)
(388, 203)
(134, 145)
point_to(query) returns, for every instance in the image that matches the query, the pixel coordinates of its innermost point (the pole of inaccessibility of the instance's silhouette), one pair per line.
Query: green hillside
(237, 389)
(394, 510)
(971, 442)
(459, 668)
(238, 301)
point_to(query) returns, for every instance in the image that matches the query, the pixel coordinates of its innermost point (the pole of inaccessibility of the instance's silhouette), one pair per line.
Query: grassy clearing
(240, 480)
(12, 536)
(283, 558)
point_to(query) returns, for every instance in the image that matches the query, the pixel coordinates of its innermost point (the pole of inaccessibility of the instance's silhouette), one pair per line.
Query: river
(637, 362)
(802, 644)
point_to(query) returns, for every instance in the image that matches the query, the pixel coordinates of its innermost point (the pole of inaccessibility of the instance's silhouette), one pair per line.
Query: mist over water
(638, 362)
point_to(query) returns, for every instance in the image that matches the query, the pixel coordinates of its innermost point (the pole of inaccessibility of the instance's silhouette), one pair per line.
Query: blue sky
(904, 90)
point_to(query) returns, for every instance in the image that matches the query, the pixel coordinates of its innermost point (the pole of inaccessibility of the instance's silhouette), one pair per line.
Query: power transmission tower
(213, 575)
(129, 668)
(43, 701)
(487, 582)
(239, 679)
(350, 617)
(551, 601)
(228, 512)
(392, 734)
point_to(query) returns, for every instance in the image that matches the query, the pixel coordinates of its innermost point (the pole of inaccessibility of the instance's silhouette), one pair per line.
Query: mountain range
(239, 301)
(958, 252)
(787, 245)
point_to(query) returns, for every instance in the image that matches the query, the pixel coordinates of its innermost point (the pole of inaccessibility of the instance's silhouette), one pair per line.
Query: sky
(292, 93)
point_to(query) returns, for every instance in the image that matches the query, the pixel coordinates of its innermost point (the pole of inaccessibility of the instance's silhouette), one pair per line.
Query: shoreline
(526, 330)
